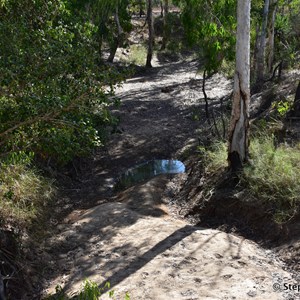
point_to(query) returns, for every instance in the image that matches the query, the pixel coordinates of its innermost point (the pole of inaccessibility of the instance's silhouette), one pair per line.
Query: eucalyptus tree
(271, 35)
(151, 33)
(287, 36)
(112, 19)
(239, 124)
(120, 26)
(117, 41)
(210, 27)
(165, 20)
(260, 58)
(277, 36)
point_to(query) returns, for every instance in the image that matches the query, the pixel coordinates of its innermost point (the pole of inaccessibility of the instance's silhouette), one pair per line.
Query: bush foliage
(90, 291)
(55, 93)
(271, 176)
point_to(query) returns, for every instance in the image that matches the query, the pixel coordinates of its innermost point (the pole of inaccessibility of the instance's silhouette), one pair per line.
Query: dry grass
(137, 56)
(23, 194)
(273, 174)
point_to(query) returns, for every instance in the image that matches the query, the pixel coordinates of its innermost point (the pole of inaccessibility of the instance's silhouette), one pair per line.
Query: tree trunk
(256, 47)
(101, 29)
(100, 47)
(113, 50)
(260, 66)
(151, 34)
(165, 30)
(161, 9)
(2, 289)
(118, 39)
(239, 123)
(141, 8)
(271, 32)
(296, 106)
(205, 97)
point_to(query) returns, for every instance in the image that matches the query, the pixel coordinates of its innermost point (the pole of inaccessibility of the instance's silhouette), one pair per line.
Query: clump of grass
(138, 55)
(216, 157)
(272, 175)
(23, 193)
(90, 291)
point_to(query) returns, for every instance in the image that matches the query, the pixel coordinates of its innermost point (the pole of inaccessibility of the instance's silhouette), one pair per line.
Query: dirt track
(132, 240)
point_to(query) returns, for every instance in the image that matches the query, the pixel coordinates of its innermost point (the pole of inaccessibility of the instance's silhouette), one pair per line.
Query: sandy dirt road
(132, 240)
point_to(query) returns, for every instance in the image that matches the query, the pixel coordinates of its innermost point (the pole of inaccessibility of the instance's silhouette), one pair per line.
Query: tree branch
(47, 117)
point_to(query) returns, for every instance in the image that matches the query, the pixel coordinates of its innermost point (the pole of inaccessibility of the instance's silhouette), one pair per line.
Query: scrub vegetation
(61, 63)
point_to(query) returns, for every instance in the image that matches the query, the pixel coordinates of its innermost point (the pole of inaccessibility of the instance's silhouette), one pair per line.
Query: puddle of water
(149, 170)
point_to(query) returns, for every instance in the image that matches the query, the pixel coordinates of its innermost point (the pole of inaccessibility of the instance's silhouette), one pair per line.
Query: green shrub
(55, 95)
(90, 291)
(216, 157)
(282, 107)
(272, 175)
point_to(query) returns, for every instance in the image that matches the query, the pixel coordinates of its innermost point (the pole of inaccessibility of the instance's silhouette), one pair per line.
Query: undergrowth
(23, 193)
(90, 291)
(272, 174)
(138, 54)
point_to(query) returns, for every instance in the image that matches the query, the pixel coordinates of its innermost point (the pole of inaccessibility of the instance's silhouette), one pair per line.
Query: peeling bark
(239, 124)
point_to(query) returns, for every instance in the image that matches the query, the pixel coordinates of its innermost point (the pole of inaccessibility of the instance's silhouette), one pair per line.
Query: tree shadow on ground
(155, 125)
(123, 266)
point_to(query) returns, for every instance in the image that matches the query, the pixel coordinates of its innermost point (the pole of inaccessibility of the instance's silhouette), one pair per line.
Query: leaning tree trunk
(165, 30)
(151, 34)
(118, 39)
(260, 67)
(239, 124)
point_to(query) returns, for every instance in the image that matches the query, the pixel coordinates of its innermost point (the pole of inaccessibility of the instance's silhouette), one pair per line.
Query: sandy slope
(132, 241)
(157, 257)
